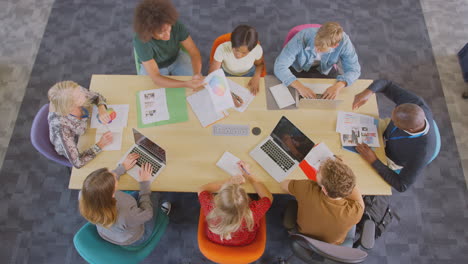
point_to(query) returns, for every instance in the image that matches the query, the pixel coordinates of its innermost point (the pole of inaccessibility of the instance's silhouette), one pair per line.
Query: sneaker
(166, 207)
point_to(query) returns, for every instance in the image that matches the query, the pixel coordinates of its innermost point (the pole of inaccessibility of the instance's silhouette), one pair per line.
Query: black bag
(378, 210)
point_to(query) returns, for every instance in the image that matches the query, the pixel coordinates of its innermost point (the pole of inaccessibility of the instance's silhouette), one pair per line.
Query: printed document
(282, 95)
(118, 116)
(219, 91)
(153, 105)
(228, 163)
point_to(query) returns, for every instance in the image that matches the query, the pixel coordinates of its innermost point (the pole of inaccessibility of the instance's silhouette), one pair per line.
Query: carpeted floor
(38, 214)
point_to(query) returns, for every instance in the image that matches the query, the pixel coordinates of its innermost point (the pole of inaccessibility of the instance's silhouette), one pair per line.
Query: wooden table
(192, 151)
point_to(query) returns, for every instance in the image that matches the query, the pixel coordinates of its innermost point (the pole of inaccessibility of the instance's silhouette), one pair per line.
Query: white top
(235, 66)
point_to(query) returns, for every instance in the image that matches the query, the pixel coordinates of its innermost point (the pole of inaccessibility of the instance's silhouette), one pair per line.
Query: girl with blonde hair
(68, 116)
(120, 218)
(231, 216)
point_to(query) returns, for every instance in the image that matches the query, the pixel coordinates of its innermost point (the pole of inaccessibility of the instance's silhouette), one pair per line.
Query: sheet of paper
(348, 120)
(318, 88)
(116, 140)
(203, 108)
(117, 113)
(243, 93)
(282, 95)
(154, 106)
(228, 162)
(219, 91)
(319, 154)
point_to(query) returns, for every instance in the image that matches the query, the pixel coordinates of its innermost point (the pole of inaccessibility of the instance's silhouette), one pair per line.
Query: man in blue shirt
(319, 48)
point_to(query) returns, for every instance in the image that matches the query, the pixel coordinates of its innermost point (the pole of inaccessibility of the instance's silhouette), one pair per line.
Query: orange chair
(225, 38)
(231, 255)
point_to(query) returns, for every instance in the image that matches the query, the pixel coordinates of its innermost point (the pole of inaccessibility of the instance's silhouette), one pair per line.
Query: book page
(117, 134)
(243, 93)
(228, 162)
(153, 105)
(203, 108)
(219, 91)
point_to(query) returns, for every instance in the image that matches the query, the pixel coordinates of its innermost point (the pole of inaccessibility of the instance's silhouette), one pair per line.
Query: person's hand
(195, 84)
(197, 76)
(254, 85)
(103, 115)
(237, 100)
(361, 98)
(245, 169)
(332, 91)
(145, 172)
(130, 161)
(366, 153)
(306, 92)
(237, 179)
(105, 140)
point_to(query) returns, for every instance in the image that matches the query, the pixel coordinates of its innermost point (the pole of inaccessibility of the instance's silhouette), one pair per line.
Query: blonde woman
(232, 217)
(68, 116)
(119, 217)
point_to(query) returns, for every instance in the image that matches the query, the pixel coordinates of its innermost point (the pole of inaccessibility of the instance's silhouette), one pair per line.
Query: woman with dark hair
(119, 217)
(242, 56)
(159, 36)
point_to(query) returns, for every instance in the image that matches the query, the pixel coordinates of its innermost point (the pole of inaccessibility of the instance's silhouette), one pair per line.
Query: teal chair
(96, 250)
(438, 142)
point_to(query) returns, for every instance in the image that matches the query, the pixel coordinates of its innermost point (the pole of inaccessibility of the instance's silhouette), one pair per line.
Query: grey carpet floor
(39, 216)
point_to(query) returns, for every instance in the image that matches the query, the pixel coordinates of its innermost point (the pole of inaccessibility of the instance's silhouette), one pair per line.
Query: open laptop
(318, 103)
(149, 152)
(281, 152)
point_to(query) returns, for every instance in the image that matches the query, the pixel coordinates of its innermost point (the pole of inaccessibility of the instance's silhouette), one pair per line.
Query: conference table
(192, 151)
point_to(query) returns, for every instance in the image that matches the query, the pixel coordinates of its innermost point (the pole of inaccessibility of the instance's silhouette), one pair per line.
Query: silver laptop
(318, 103)
(280, 153)
(149, 152)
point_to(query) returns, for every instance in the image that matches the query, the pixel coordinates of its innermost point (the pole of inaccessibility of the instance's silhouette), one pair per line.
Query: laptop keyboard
(144, 158)
(277, 155)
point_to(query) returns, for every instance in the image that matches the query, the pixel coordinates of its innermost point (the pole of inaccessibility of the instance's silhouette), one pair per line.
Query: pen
(242, 167)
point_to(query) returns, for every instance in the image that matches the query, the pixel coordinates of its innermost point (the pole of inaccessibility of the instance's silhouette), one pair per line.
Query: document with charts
(153, 105)
(357, 129)
(118, 116)
(219, 91)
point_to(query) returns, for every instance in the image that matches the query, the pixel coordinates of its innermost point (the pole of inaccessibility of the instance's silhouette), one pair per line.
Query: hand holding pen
(245, 169)
(237, 100)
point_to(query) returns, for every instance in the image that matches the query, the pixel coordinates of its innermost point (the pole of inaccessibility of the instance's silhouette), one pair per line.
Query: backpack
(378, 210)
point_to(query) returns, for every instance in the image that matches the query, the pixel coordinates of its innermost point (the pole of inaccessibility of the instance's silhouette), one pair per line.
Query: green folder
(176, 106)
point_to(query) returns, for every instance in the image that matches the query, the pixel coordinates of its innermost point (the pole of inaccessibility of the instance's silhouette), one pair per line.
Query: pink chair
(296, 29)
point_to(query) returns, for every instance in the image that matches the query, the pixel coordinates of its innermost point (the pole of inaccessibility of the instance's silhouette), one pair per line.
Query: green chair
(96, 250)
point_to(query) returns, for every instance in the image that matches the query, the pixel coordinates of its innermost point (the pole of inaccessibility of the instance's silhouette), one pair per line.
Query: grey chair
(312, 250)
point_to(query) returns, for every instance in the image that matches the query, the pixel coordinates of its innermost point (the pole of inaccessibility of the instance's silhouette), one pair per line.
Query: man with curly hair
(158, 41)
(327, 209)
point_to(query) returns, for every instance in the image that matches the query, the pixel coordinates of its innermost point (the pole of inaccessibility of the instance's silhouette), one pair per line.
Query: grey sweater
(412, 154)
(131, 215)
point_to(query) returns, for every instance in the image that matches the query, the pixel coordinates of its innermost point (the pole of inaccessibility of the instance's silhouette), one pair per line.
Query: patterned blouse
(241, 237)
(64, 132)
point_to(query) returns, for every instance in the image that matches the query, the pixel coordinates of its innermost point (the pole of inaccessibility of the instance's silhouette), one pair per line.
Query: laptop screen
(291, 139)
(149, 146)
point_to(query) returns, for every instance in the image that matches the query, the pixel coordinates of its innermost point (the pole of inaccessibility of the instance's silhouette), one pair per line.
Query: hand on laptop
(333, 91)
(361, 98)
(304, 91)
(105, 140)
(145, 172)
(130, 161)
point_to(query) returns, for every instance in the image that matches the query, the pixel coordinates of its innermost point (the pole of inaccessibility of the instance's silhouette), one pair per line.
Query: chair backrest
(40, 137)
(438, 142)
(96, 250)
(296, 30)
(329, 251)
(231, 255)
(225, 38)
